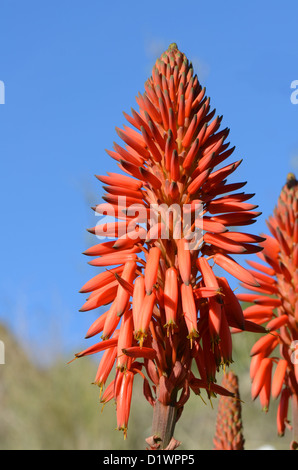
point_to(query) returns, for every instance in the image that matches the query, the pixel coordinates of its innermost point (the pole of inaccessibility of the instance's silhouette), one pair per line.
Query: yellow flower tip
(193, 334)
(199, 394)
(220, 292)
(123, 429)
(170, 326)
(140, 336)
(100, 390)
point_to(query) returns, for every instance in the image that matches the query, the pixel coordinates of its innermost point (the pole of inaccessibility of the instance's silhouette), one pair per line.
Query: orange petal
(233, 268)
(263, 374)
(137, 301)
(184, 260)
(189, 309)
(151, 270)
(278, 378)
(171, 296)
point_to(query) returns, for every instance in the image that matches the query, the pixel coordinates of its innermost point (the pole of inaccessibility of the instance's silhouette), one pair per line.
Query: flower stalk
(163, 424)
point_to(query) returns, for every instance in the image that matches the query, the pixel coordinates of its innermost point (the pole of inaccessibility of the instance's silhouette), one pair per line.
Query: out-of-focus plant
(274, 362)
(229, 427)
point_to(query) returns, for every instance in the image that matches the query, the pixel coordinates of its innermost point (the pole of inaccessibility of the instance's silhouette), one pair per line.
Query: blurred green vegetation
(56, 407)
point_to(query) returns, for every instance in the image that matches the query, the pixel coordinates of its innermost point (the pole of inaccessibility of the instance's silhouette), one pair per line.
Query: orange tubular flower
(168, 309)
(229, 428)
(275, 305)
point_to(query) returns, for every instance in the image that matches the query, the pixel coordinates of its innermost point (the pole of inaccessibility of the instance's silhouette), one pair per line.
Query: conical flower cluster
(274, 363)
(229, 428)
(173, 210)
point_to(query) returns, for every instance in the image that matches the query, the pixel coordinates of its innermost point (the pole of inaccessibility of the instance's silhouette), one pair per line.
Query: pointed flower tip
(291, 177)
(291, 180)
(173, 46)
(115, 246)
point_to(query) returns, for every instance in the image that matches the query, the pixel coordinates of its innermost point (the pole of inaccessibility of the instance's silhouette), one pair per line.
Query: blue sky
(70, 69)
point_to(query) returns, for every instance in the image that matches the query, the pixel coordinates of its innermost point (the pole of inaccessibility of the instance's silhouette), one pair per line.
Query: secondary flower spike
(274, 362)
(229, 427)
(160, 305)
